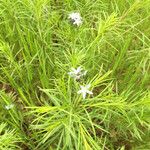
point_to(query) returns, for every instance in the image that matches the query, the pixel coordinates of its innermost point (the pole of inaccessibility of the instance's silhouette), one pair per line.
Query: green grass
(39, 46)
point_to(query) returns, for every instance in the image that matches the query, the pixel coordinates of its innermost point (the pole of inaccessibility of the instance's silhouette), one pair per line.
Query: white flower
(9, 106)
(77, 73)
(75, 18)
(84, 90)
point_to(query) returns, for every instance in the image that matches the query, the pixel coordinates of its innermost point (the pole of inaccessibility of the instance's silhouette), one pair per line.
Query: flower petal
(89, 92)
(88, 86)
(84, 95)
(79, 92)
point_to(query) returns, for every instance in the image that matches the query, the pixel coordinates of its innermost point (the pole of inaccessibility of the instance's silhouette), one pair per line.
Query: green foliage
(8, 138)
(39, 101)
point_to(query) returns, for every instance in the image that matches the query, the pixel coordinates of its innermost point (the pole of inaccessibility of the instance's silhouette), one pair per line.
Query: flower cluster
(77, 74)
(75, 18)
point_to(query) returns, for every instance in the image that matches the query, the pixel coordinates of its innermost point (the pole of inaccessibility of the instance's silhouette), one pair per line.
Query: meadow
(74, 74)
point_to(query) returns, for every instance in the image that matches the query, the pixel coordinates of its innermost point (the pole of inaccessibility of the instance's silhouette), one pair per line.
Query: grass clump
(74, 75)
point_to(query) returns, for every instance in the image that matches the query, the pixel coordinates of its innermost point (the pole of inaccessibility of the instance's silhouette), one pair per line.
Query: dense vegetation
(68, 86)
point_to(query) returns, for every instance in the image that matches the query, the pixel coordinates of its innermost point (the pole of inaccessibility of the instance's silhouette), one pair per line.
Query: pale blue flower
(75, 18)
(85, 90)
(77, 73)
(9, 106)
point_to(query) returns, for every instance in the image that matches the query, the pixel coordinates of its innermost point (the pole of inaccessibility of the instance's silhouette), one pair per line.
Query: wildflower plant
(82, 85)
